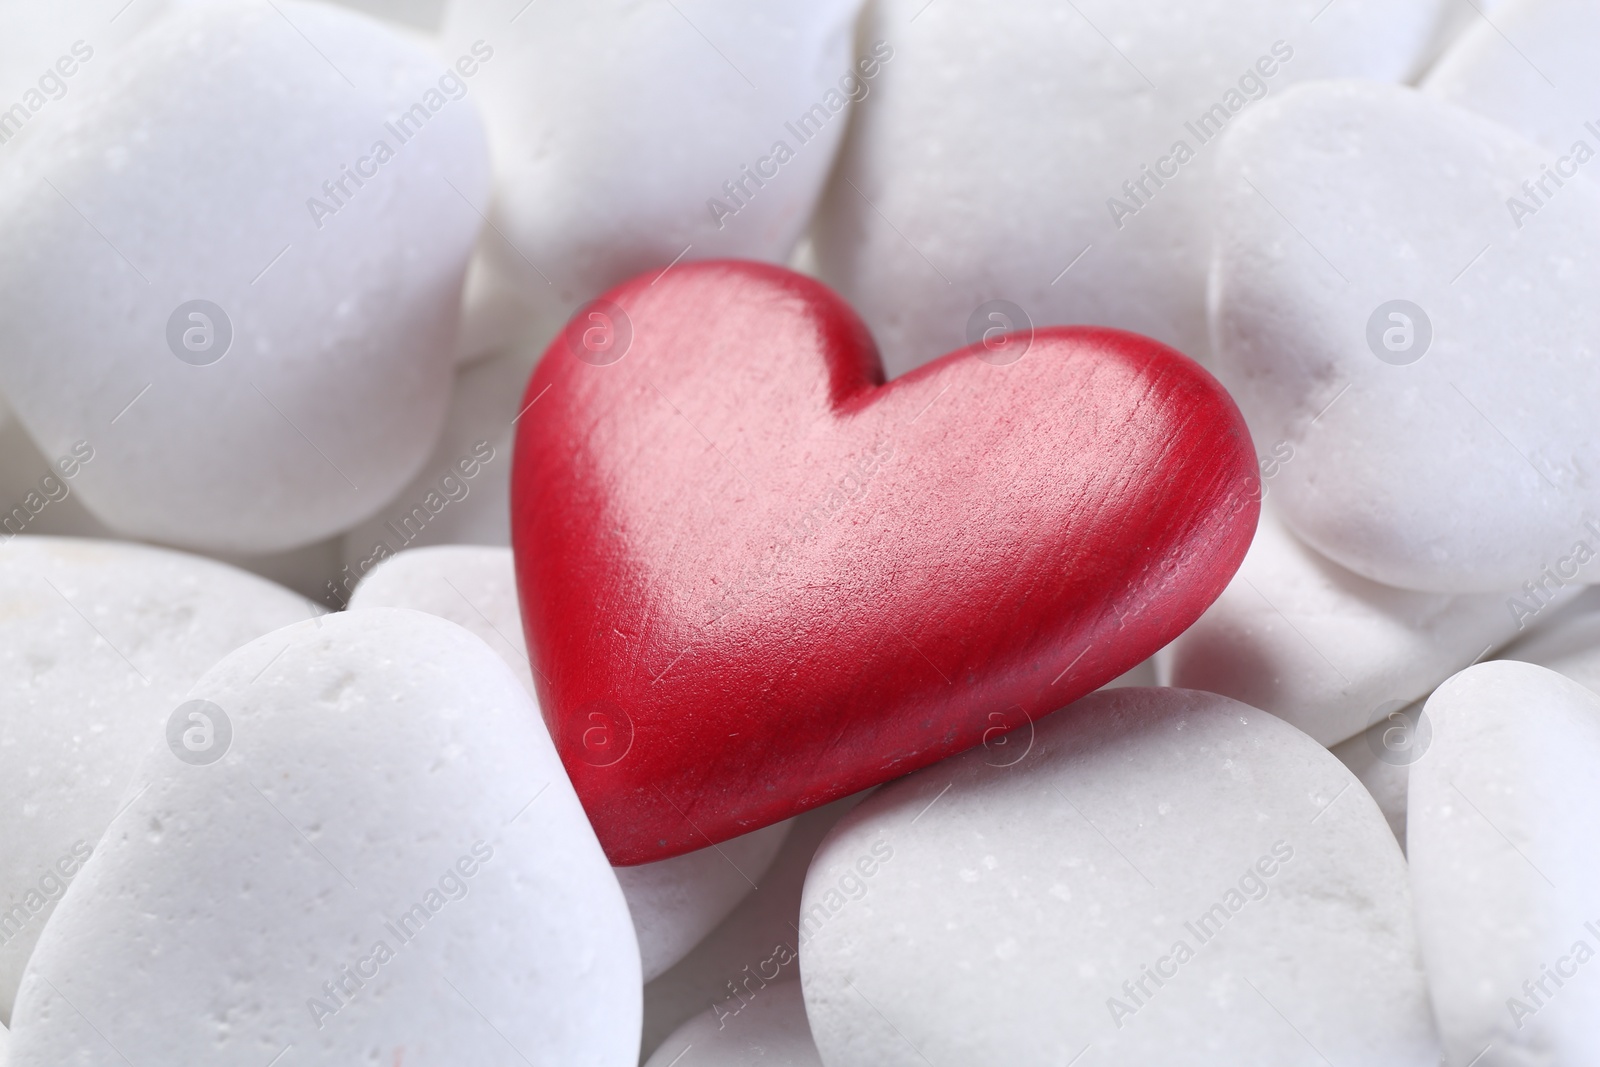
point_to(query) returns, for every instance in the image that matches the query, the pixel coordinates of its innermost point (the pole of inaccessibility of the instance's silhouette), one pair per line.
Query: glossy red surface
(755, 578)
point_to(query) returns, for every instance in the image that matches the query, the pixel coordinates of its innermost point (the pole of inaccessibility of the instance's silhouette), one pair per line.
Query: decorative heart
(755, 578)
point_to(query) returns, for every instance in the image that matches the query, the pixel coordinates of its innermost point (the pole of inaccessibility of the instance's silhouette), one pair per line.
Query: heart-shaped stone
(755, 578)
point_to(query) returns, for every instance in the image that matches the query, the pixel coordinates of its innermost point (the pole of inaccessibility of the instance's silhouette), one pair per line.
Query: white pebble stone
(37, 36)
(1569, 643)
(1141, 674)
(44, 488)
(1440, 444)
(950, 194)
(674, 903)
(387, 802)
(1457, 17)
(614, 125)
(1532, 69)
(308, 570)
(424, 15)
(462, 494)
(157, 188)
(973, 913)
(1502, 813)
(678, 901)
(99, 641)
(755, 946)
(474, 586)
(1326, 649)
(1381, 756)
(771, 1032)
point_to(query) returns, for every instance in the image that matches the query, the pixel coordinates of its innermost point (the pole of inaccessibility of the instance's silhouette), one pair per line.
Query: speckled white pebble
(1445, 443)
(999, 158)
(1503, 812)
(614, 126)
(99, 641)
(312, 385)
(674, 903)
(1328, 650)
(973, 913)
(771, 1032)
(383, 862)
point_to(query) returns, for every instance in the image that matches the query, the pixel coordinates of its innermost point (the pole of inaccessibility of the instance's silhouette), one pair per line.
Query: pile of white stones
(272, 275)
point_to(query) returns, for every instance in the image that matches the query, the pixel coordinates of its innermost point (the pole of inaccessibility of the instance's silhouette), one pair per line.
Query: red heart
(755, 578)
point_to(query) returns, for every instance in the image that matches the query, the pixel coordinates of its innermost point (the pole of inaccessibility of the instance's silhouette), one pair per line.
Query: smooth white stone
(677, 902)
(971, 913)
(674, 903)
(442, 505)
(1326, 649)
(1568, 642)
(1464, 470)
(43, 488)
(156, 187)
(425, 15)
(1456, 18)
(308, 570)
(950, 193)
(756, 945)
(772, 1032)
(1381, 756)
(1142, 674)
(1532, 68)
(613, 125)
(380, 761)
(38, 35)
(99, 641)
(1503, 810)
(474, 586)
(803, 260)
